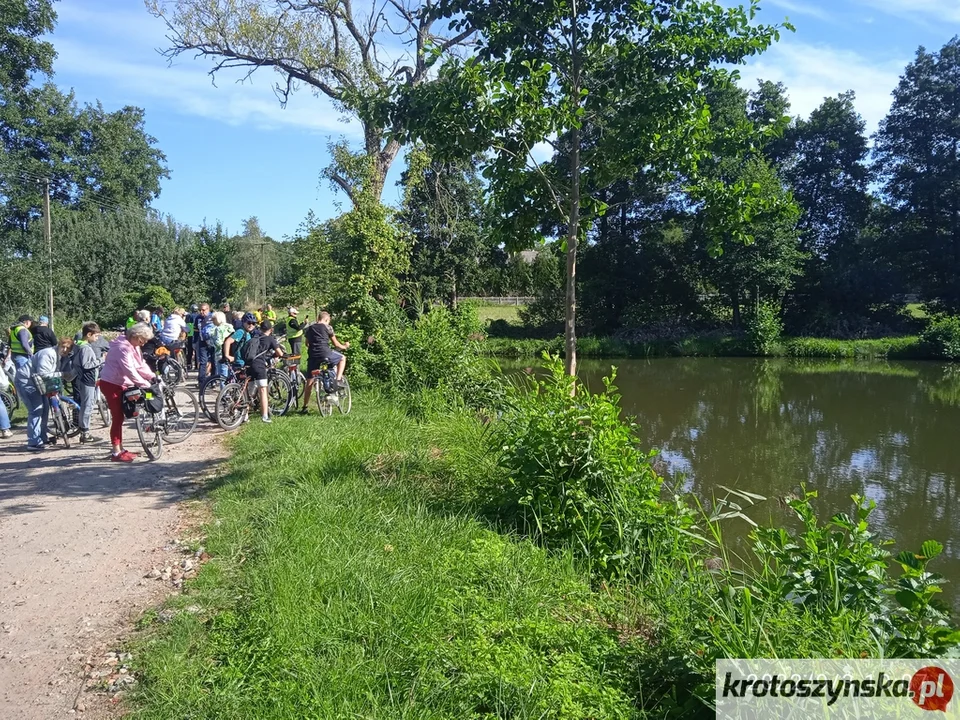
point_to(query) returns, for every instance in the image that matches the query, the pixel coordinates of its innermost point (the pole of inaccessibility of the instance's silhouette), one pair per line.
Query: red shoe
(125, 456)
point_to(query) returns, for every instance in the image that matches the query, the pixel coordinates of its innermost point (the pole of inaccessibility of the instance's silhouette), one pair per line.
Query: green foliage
(573, 474)
(764, 329)
(941, 337)
(919, 180)
(422, 361)
(352, 599)
(22, 24)
(155, 296)
(826, 567)
(920, 627)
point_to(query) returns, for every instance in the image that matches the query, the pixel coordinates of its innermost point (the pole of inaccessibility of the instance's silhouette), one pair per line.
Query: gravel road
(78, 535)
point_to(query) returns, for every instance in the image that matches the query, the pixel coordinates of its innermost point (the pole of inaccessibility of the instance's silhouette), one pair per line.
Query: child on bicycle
(319, 337)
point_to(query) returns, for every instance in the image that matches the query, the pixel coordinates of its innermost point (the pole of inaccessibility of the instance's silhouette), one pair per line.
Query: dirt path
(78, 533)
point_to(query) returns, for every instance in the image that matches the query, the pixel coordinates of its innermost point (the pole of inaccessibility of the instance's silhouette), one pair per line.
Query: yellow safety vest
(291, 333)
(16, 347)
(272, 316)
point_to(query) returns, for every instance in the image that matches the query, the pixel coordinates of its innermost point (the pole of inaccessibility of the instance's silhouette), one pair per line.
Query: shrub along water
(450, 563)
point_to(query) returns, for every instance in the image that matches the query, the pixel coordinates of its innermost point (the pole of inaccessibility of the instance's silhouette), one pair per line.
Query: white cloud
(920, 11)
(814, 72)
(542, 152)
(117, 50)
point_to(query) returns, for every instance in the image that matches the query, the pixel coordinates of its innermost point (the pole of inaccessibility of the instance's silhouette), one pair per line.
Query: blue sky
(234, 152)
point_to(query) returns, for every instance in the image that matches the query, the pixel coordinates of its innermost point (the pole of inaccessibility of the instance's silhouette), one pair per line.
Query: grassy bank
(361, 568)
(344, 584)
(898, 348)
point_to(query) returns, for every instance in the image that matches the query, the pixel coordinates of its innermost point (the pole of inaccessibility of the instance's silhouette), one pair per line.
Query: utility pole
(263, 273)
(49, 239)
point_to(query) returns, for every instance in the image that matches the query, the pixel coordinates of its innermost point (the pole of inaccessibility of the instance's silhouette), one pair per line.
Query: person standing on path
(87, 365)
(294, 332)
(200, 344)
(21, 349)
(124, 368)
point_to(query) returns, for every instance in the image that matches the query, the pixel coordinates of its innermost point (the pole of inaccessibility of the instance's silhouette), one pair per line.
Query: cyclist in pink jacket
(124, 368)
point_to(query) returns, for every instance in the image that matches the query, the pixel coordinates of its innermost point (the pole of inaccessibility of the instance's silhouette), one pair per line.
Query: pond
(890, 432)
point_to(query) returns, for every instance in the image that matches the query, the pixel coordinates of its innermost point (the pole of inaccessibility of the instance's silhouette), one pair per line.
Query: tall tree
(345, 52)
(918, 158)
(548, 69)
(443, 209)
(22, 51)
(92, 158)
(830, 177)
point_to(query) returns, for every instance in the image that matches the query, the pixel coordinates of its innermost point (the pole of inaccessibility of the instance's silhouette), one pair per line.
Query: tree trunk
(735, 301)
(573, 231)
(573, 222)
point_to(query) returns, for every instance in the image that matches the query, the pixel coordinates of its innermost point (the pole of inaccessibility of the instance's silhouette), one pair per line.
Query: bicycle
(298, 382)
(163, 362)
(103, 409)
(234, 401)
(10, 399)
(329, 394)
(63, 410)
(160, 417)
(210, 389)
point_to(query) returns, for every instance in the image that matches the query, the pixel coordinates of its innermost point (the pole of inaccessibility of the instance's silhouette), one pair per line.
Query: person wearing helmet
(234, 345)
(294, 333)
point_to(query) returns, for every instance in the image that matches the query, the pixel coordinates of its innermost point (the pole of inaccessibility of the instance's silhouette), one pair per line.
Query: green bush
(573, 474)
(153, 296)
(427, 362)
(941, 338)
(764, 329)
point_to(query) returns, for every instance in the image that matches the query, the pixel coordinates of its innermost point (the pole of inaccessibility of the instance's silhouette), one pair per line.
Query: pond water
(890, 432)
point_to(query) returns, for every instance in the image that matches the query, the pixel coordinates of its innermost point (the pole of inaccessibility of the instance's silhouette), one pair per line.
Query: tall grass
(337, 590)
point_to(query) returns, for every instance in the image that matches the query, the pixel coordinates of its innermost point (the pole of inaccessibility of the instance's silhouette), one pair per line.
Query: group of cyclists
(214, 344)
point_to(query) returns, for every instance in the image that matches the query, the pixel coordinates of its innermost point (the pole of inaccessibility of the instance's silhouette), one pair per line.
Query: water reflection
(886, 431)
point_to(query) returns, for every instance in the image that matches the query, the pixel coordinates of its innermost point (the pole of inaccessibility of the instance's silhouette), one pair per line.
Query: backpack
(70, 366)
(208, 332)
(251, 350)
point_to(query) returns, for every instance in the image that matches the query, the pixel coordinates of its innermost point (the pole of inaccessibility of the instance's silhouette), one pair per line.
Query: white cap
(293, 311)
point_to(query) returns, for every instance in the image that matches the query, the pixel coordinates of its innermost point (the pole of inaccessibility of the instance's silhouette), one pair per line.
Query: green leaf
(930, 549)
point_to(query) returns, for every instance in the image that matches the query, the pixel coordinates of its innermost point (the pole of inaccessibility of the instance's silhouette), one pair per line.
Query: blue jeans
(32, 400)
(4, 416)
(203, 357)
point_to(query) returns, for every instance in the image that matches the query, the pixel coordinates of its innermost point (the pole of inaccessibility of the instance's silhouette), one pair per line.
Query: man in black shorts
(319, 337)
(267, 347)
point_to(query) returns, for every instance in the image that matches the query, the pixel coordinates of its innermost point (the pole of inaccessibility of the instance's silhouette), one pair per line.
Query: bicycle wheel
(73, 418)
(172, 372)
(9, 400)
(103, 409)
(324, 406)
(61, 423)
(279, 393)
(300, 387)
(208, 395)
(231, 406)
(344, 398)
(151, 438)
(183, 412)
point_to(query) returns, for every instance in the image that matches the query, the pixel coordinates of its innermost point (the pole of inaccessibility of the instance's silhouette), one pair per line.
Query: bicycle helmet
(194, 307)
(249, 318)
